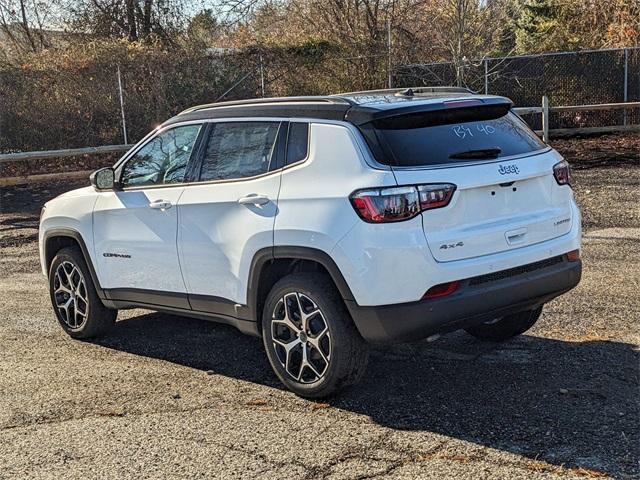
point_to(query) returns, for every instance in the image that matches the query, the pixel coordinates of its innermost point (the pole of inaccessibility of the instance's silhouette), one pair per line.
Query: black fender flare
(265, 255)
(75, 235)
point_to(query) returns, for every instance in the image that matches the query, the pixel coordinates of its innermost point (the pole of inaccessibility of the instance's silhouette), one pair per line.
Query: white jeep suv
(323, 224)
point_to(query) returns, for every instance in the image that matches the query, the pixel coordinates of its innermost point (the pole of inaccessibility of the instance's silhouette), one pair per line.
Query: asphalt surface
(171, 397)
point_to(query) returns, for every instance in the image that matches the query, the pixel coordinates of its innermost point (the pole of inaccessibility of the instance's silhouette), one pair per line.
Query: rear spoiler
(405, 115)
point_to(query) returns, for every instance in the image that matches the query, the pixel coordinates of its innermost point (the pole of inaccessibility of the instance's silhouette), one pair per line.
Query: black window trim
(196, 156)
(119, 166)
(198, 160)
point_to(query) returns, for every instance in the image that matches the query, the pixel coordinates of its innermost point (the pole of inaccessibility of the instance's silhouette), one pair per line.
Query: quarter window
(239, 150)
(297, 142)
(163, 160)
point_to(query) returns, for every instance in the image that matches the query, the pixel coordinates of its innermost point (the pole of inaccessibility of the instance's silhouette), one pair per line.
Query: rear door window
(407, 145)
(238, 150)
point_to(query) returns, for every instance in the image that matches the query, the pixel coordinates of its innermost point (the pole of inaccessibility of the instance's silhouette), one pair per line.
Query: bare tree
(131, 19)
(22, 23)
(463, 30)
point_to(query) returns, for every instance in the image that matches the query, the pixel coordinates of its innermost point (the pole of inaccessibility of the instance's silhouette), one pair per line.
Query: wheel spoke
(82, 311)
(72, 279)
(307, 316)
(65, 308)
(62, 289)
(309, 365)
(77, 313)
(68, 275)
(288, 346)
(288, 323)
(315, 342)
(81, 292)
(292, 306)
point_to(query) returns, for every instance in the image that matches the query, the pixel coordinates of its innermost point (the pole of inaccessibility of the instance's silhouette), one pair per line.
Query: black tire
(507, 327)
(97, 320)
(348, 353)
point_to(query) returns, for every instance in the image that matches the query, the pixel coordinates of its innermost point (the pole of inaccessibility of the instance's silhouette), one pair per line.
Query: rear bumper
(477, 300)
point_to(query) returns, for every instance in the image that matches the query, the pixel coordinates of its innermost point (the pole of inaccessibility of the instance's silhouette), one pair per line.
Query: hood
(78, 192)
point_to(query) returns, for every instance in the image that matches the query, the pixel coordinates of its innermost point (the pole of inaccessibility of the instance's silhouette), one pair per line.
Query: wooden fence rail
(545, 109)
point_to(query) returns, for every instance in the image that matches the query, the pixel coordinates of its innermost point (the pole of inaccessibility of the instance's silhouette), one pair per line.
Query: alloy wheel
(70, 295)
(301, 338)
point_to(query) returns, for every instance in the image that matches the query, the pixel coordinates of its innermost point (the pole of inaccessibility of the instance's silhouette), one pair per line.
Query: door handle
(160, 205)
(515, 236)
(254, 199)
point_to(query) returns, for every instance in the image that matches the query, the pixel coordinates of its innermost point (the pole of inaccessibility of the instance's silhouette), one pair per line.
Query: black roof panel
(355, 107)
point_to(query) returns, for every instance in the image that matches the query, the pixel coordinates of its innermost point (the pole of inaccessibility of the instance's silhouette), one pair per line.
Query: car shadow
(571, 404)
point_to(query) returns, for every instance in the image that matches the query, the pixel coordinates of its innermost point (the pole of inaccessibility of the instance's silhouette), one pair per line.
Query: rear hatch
(506, 194)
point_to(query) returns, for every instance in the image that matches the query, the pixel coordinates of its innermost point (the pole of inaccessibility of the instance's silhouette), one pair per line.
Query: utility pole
(261, 76)
(486, 76)
(626, 83)
(124, 122)
(389, 70)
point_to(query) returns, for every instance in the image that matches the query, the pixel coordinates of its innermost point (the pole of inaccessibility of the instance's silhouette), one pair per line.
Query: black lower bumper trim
(471, 304)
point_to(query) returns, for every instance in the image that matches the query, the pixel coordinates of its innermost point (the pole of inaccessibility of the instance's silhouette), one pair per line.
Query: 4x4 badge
(506, 169)
(446, 246)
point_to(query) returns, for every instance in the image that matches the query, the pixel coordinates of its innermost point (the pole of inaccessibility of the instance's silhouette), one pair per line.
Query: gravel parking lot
(171, 397)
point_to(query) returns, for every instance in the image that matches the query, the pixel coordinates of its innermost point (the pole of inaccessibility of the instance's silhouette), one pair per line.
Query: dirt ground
(170, 397)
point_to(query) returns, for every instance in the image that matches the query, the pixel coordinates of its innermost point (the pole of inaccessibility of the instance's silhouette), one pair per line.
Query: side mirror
(103, 179)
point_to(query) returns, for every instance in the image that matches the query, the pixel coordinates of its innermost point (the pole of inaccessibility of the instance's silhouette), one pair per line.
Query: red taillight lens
(435, 196)
(386, 204)
(442, 290)
(562, 173)
(382, 205)
(573, 255)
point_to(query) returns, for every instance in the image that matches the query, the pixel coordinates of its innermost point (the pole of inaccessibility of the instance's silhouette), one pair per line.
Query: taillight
(442, 290)
(395, 204)
(436, 195)
(573, 255)
(562, 173)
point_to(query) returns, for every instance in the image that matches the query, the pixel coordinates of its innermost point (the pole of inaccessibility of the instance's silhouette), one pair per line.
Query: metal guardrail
(70, 152)
(544, 109)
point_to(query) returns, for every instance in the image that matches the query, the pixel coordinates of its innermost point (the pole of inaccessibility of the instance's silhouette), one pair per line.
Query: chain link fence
(76, 102)
(567, 78)
(70, 100)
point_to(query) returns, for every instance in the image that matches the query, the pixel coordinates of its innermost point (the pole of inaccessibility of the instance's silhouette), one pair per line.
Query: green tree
(536, 25)
(203, 29)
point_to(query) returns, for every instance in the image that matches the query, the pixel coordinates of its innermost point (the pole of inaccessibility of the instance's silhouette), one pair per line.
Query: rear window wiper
(479, 153)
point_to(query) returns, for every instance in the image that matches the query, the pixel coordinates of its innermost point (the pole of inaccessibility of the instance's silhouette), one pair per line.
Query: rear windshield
(405, 143)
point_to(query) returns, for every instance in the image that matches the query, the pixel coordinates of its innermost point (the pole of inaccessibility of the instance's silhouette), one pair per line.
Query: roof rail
(262, 101)
(417, 90)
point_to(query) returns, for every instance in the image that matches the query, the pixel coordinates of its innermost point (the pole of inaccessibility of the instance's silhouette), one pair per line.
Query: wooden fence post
(545, 119)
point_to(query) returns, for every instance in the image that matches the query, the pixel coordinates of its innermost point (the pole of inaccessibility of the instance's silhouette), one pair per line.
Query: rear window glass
(452, 143)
